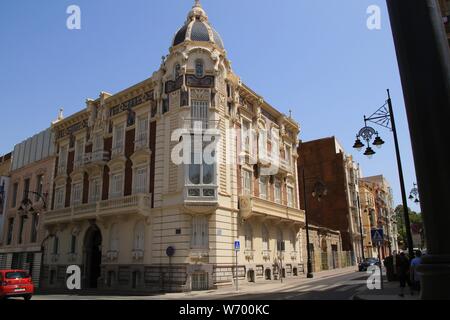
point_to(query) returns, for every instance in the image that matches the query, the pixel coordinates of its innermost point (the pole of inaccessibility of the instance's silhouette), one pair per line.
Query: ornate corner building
(133, 218)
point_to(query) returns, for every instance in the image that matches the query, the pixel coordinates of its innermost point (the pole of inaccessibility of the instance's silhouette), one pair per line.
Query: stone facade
(5, 167)
(121, 203)
(32, 172)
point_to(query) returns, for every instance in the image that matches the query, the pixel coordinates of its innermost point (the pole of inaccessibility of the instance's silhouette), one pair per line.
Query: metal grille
(199, 281)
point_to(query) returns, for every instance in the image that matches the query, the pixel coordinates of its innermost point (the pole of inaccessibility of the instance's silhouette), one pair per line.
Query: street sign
(237, 245)
(377, 236)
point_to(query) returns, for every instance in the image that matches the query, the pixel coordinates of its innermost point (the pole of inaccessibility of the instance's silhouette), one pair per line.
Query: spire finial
(197, 4)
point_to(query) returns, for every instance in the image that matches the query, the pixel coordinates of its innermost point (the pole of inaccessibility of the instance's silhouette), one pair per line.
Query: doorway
(92, 256)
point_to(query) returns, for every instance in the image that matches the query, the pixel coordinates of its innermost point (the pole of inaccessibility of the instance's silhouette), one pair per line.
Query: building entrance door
(92, 256)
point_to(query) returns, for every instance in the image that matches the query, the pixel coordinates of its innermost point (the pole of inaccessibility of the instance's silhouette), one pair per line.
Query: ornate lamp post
(319, 191)
(384, 117)
(414, 194)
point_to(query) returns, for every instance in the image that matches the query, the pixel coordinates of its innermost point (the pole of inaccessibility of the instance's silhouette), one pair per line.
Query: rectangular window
(140, 180)
(263, 187)
(199, 113)
(200, 173)
(62, 162)
(26, 189)
(246, 127)
(14, 195)
(59, 197)
(55, 245)
(22, 224)
(73, 244)
(288, 155)
(79, 152)
(142, 132)
(200, 232)
(247, 182)
(277, 191)
(98, 142)
(117, 185)
(10, 231)
(77, 190)
(34, 227)
(95, 190)
(263, 143)
(39, 186)
(119, 135)
(290, 197)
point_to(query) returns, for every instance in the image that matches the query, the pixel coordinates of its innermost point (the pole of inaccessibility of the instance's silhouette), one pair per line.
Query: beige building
(29, 192)
(384, 212)
(368, 208)
(133, 216)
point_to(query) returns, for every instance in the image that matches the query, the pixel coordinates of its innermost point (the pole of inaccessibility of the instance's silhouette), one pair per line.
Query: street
(326, 286)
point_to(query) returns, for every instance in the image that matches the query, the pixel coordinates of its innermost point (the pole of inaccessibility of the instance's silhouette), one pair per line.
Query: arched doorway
(92, 256)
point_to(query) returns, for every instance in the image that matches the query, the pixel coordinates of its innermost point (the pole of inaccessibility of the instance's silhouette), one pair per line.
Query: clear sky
(317, 58)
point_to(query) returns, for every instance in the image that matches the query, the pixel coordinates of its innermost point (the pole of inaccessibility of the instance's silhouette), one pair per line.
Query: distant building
(32, 171)
(5, 167)
(325, 161)
(384, 212)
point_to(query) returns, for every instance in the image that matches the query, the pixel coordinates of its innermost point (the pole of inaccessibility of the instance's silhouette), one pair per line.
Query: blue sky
(317, 58)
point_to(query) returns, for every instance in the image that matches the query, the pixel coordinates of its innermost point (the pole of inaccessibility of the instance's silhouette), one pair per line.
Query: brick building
(325, 161)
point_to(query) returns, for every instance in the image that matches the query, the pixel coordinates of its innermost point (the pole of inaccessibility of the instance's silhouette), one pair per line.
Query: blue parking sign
(237, 245)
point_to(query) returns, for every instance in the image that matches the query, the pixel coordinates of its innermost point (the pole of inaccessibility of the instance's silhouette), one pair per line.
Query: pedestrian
(415, 276)
(403, 273)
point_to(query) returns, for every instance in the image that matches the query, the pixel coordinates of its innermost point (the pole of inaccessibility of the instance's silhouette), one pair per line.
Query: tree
(415, 219)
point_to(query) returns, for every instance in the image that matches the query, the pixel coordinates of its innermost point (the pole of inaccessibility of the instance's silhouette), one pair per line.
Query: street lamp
(414, 194)
(384, 117)
(319, 191)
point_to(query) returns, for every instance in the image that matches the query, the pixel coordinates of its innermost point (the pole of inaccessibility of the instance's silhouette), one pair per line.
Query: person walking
(415, 276)
(403, 267)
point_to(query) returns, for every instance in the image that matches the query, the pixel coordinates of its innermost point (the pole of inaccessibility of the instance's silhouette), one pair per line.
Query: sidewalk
(390, 291)
(262, 286)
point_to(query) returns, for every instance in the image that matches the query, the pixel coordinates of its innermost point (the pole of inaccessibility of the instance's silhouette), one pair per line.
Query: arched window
(248, 236)
(114, 238)
(139, 236)
(265, 238)
(176, 71)
(199, 68)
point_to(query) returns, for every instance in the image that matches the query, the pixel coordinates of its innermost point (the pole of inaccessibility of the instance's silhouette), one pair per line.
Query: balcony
(198, 254)
(266, 254)
(99, 157)
(249, 254)
(137, 255)
(253, 206)
(134, 204)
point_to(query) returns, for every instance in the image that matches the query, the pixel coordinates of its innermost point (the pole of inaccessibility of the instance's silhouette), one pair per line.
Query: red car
(16, 283)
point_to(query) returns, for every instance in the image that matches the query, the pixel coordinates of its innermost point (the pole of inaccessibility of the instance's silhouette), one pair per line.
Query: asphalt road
(333, 287)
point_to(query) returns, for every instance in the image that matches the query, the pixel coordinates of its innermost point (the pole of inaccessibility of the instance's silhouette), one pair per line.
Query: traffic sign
(237, 245)
(377, 235)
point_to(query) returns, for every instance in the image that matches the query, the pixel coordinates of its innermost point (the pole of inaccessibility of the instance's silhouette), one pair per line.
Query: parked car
(363, 265)
(16, 283)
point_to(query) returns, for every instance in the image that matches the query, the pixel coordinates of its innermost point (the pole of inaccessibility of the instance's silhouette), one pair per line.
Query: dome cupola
(197, 28)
